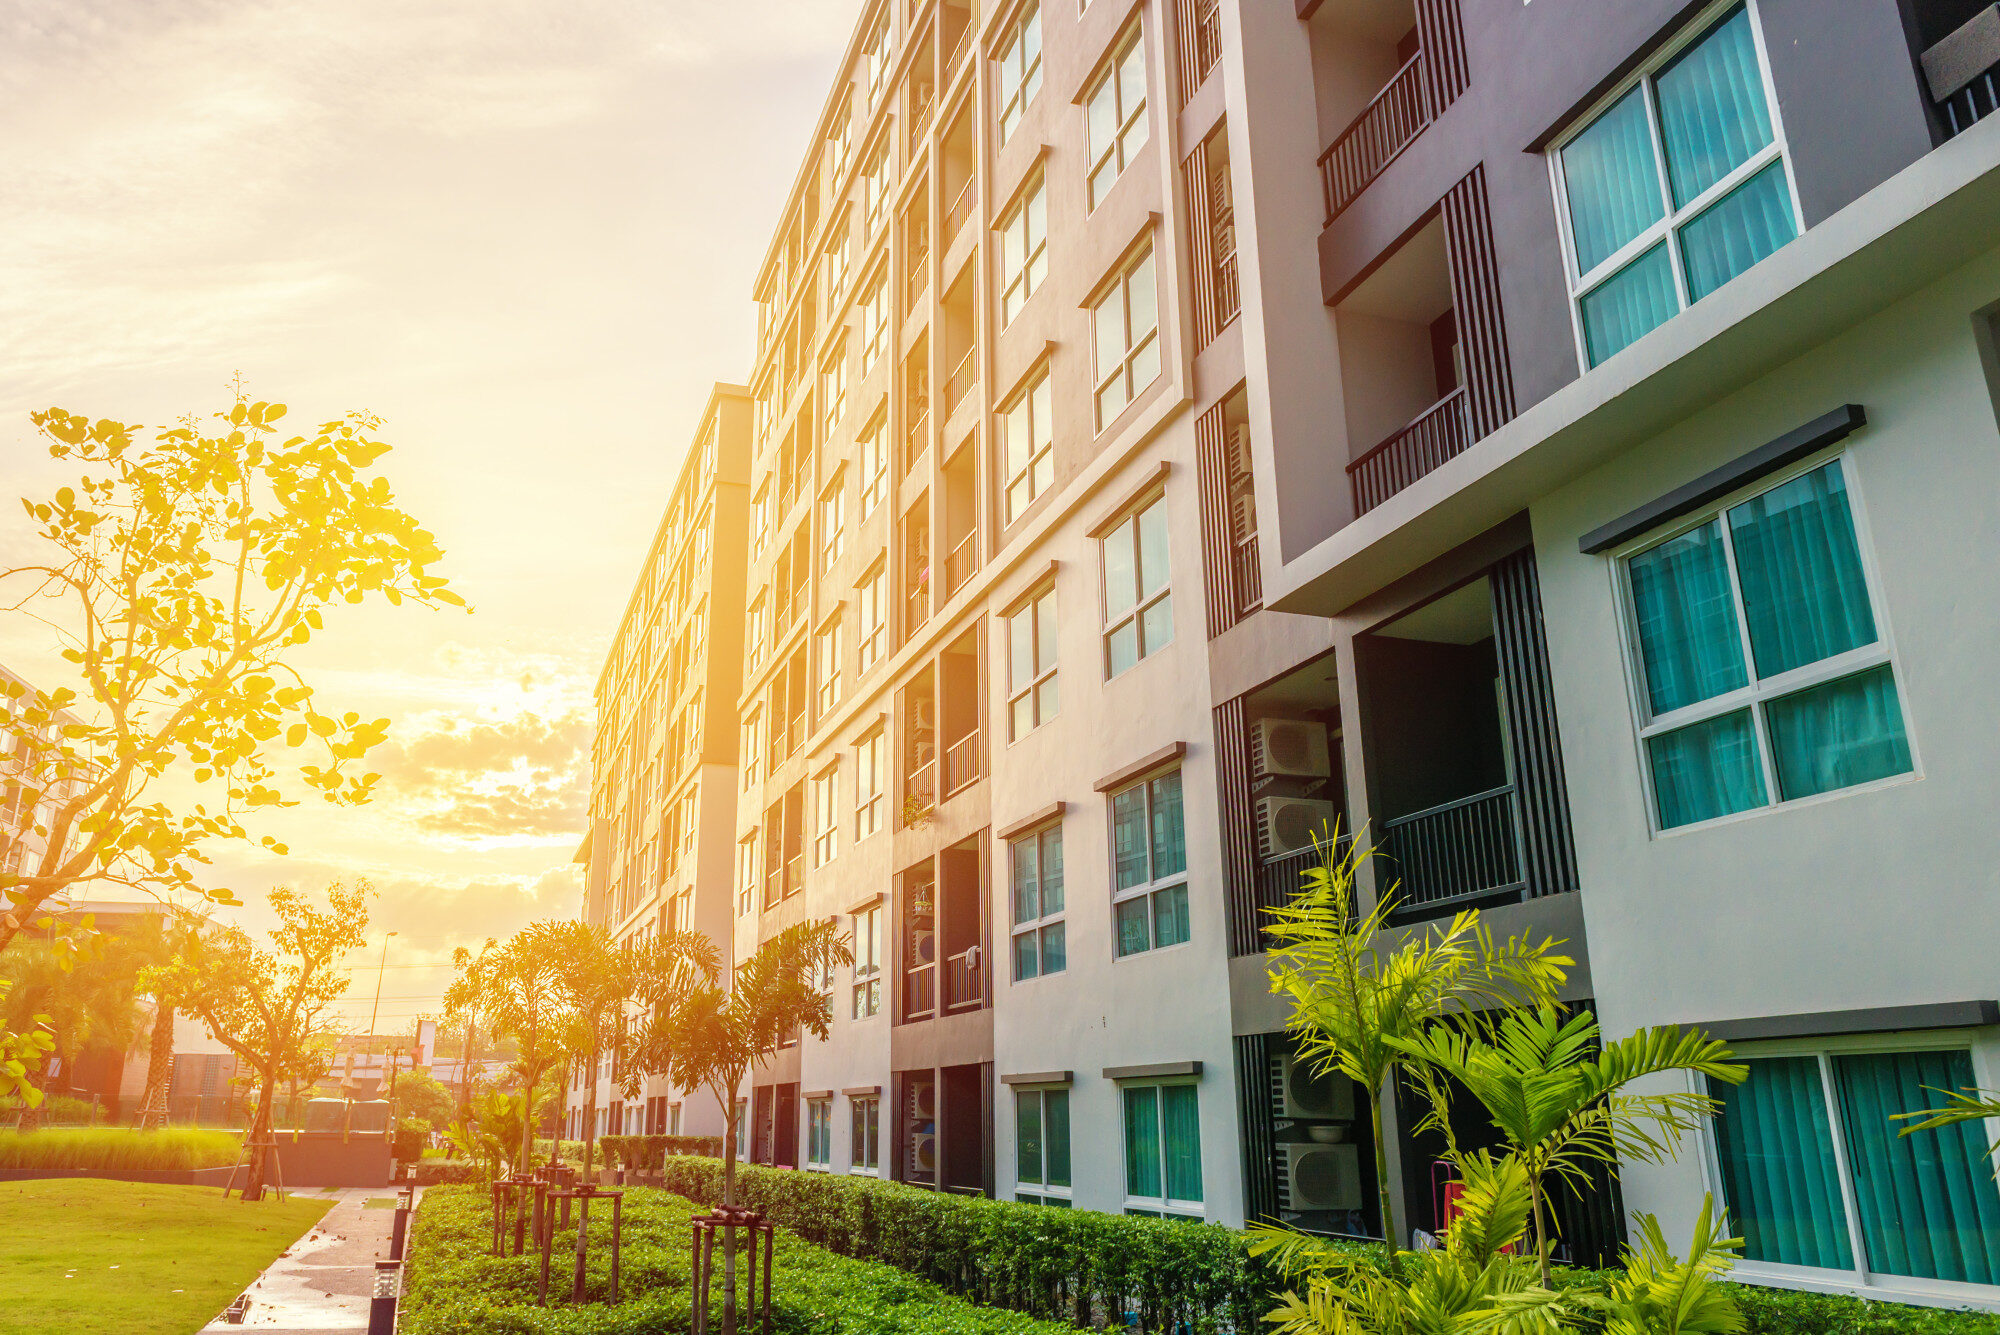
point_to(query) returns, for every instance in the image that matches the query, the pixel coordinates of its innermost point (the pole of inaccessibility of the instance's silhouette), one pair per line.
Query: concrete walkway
(323, 1281)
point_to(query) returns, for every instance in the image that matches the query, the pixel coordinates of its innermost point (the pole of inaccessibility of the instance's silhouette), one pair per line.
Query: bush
(1054, 1263)
(106, 1148)
(1791, 1312)
(433, 1172)
(55, 1110)
(647, 1153)
(412, 1134)
(452, 1285)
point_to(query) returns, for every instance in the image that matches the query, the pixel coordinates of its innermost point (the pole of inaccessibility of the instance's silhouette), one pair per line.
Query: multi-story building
(30, 788)
(1182, 424)
(663, 791)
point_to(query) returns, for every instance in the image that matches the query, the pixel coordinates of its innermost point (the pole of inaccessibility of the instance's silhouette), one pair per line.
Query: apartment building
(1182, 424)
(28, 799)
(663, 790)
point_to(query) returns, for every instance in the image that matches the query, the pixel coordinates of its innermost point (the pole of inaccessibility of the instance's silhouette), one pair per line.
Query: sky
(524, 234)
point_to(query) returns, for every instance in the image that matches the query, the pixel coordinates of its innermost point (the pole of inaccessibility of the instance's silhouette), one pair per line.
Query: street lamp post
(376, 1009)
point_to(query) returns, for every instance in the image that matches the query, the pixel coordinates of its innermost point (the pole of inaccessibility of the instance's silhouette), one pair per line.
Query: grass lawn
(89, 1257)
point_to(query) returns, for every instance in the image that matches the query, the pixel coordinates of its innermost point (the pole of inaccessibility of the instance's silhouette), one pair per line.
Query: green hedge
(107, 1147)
(1064, 1264)
(646, 1153)
(452, 1287)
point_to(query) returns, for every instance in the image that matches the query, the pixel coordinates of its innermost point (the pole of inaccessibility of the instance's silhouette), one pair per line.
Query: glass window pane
(1157, 626)
(1132, 929)
(1629, 304)
(1181, 1114)
(1153, 549)
(1027, 906)
(1101, 117)
(1045, 632)
(1028, 1136)
(1737, 230)
(1046, 704)
(1779, 1179)
(1927, 1202)
(1025, 962)
(1052, 871)
(1707, 769)
(1712, 111)
(1686, 617)
(1170, 916)
(1055, 952)
(1122, 648)
(1142, 1142)
(1169, 835)
(1837, 735)
(1108, 332)
(1128, 837)
(1145, 302)
(1803, 591)
(1120, 572)
(1055, 1135)
(1024, 715)
(1021, 649)
(1613, 182)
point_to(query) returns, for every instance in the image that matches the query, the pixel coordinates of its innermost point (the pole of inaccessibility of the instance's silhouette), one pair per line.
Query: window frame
(833, 389)
(819, 1127)
(749, 874)
(1030, 692)
(1040, 382)
(1119, 288)
(872, 458)
(871, 306)
(1141, 603)
(1028, 84)
(1161, 1205)
(871, 781)
(1758, 693)
(1125, 119)
(1018, 287)
(1155, 884)
(870, 1163)
(867, 974)
(1043, 1189)
(1672, 221)
(832, 519)
(825, 797)
(872, 595)
(1036, 926)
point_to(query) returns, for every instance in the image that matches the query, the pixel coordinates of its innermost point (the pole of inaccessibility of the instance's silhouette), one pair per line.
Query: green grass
(114, 1147)
(126, 1258)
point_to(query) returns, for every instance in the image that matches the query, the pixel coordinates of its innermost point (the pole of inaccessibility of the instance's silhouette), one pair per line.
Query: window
(1149, 864)
(825, 817)
(1162, 1149)
(871, 597)
(832, 522)
(1138, 602)
(867, 963)
(874, 464)
(833, 391)
(760, 519)
(876, 60)
(1031, 664)
(674, 1119)
(743, 1129)
(1019, 74)
(875, 193)
(826, 667)
(1028, 445)
(1115, 117)
(1760, 664)
(1125, 326)
(746, 871)
(1676, 188)
(839, 143)
(1024, 251)
(819, 1133)
(870, 758)
(1814, 1172)
(1041, 1146)
(1036, 872)
(874, 321)
(753, 749)
(867, 1151)
(838, 255)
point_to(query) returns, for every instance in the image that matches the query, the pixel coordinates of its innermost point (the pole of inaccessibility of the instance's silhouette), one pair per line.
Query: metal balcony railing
(1384, 128)
(961, 763)
(1279, 880)
(920, 791)
(1441, 433)
(1228, 293)
(960, 564)
(919, 439)
(918, 606)
(1247, 576)
(961, 981)
(963, 377)
(961, 209)
(1454, 852)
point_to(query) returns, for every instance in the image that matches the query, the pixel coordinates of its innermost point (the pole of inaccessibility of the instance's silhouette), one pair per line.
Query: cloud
(436, 915)
(542, 747)
(524, 776)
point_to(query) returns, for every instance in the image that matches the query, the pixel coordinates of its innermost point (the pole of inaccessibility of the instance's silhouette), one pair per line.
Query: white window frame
(1159, 1204)
(873, 309)
(819, 1121)
(872, 598)
(833, 390)
(839, 260)
(868, 975)
(870, 1107)
(1033, 407)
(1155, 883)
(753, 745)
(1024, 227)
(1861, 1280)
(1040, 1093)
(873, 452)
(1018, 77)
(1668, 226)
(871, 764)
(1757, 695)
(840, 143)
(1042, 674)
(1033, 927)
(875, 193)
(825, 796)
(748, 877)
(833, 520)
(1123, 377)
(1129, 117)
(826, 666)
(875, 60)
(1142, 602)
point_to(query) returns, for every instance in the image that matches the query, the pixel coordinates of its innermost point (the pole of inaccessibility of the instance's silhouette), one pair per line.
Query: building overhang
(1933, 216)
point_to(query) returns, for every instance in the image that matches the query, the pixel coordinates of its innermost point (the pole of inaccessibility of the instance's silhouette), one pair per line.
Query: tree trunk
(528, 1109)
(1382, 1174)
(590, 1119)
(562, 1116)
(260, 1135)
(729, 1230)
(465, 1073)
(159, 1070)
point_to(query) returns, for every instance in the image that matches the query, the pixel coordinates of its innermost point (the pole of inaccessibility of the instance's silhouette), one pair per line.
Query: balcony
(961, 764)
(960, 383)
(961, 563)
(920, 791)
(1441, 433)
(1384, 129)
(961, 209)
(1963, 72)
(1247, 577)
(962, 989)
(920, 991)
(1198, 26)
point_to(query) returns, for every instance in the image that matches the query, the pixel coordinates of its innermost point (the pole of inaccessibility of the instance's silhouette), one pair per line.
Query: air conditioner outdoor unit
(1290, 748)
(1243, 516)
(923, 1101)
(1309, 1092)
(1239, 450)
(1287, 825)
(1322, 1177)
(923, 1153)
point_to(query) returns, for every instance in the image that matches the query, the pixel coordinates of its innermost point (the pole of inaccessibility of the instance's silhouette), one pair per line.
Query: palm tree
(1357, 991)
(90, 1002)
(177, 934)
(1557, 1093)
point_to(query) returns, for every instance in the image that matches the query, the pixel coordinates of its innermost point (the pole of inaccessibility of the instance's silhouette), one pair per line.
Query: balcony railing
(961, 208)
(961, 763)
(1385, 128)
(1228, 293)
(1963, 72)
(1248, 577)
(920, 792)
(919, 277)
(920, 991)
(1440, 434)
(919, 439)
(922, 99)
(918, 607)
(961, 563)
(1279, 880)
(1453, 853)
(961, 981)
(963, 377)
(1200, 31)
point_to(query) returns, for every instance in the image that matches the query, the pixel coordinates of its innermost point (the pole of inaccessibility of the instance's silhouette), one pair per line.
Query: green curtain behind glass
(1055, 1135)
(1686, 617)
(1028, 1136)
(1631, 303)
(1712, 111)
(1737, 230)
(1779, 1178)
(1927, 1203)
(1612, 181)
(1706, 769)
(1128, 836)
(1180, 1111)
(1804, 594)
(1142, 1142)
(1169, 835)
(1834, 736)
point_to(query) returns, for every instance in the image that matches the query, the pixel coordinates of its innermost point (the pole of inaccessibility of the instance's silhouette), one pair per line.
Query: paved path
(324, 1280)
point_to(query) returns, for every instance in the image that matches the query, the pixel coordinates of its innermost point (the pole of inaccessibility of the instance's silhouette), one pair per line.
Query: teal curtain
(1025, 960)
(1027, 895)
(1927, 1203)
(1142, 1142)
(1055, 954)
(1055, 1135)
(1737, 230)
(1028, 1165)
(1180, 1112)
(1133, 934)
(1686, 617)
(1713, 115)
(1170, 916)
(1706, 769)
(1169, 834)
(1800, 564)
(1128, 837)
(1779, 1178)
(1612, 181)
(1052, 871)
(1837, 735)
(1629, 304)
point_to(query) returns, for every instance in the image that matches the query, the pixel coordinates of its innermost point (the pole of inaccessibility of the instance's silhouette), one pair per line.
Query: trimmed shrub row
(108, 1147)
(646, 1153)
(452, 1286)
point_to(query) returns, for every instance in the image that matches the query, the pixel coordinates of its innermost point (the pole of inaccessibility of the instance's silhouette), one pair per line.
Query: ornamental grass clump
(110, 1148)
